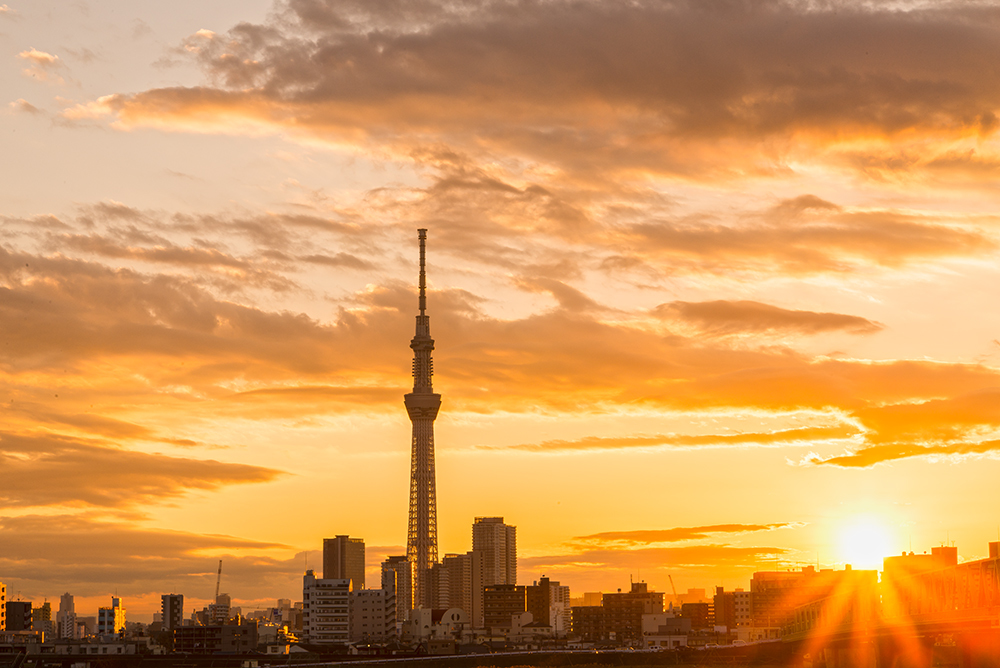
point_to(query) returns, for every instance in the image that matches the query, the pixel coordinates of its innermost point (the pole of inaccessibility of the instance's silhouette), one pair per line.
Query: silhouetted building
(18, 614)
(397, 575)
(501, 602)
(325, 610)
(372, 615)
(588, 623)
(3, 606)
(731, 608)
(700, 614)
(344, 559)
(171, 611)
(940, 587)
(422, 406)
(216, 639)
(833, 601)
(623, 612)
(773, 600)
(777, 597)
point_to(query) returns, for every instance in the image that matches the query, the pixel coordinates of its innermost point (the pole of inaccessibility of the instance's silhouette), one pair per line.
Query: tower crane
(669, 577)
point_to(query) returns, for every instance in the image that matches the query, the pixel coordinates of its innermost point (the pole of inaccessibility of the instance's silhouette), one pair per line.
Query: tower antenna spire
(422, 234)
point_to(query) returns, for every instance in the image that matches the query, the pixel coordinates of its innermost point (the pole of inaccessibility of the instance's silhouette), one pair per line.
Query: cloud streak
(52, 470)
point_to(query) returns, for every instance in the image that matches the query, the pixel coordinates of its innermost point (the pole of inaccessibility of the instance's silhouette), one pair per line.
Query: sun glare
(864, 542)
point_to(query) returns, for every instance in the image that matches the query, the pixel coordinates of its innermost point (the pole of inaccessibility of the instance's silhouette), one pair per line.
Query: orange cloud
(783, 437)
(42, 65)
(674, 535)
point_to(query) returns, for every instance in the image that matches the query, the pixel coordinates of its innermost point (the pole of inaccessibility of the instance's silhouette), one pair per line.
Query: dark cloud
(119, 557)
(23, 106)
(693, 556)
(723, 317)
(53, 470)
(597, 87)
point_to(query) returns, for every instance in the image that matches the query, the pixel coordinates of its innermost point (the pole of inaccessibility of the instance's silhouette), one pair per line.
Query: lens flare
(864, 542)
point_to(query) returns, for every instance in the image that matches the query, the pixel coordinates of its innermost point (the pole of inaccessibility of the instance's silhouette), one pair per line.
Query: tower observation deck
(422, 406)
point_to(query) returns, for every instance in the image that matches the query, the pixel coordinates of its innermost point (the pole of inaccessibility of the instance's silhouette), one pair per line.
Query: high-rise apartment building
(111, 619)
(457, 582)
(171, 611)
(344, 559)
(422, 407)
(397, 576)
(326, 607)
(548, 603)
(66, 623)
(497, 542)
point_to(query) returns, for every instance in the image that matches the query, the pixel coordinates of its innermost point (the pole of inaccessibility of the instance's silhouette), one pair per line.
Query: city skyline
(713, 289)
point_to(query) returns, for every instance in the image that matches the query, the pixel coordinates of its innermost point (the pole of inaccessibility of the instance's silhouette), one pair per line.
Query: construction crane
(669, 577)
(218, 582)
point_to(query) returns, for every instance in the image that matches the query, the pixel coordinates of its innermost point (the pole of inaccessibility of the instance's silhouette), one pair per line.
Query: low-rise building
(216, 639)
(325, 610)
(500, 603)
(372, 615)
(111, 619)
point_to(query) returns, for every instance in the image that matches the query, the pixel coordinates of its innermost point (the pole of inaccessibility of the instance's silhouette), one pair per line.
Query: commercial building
(325, 610)
(344, 559)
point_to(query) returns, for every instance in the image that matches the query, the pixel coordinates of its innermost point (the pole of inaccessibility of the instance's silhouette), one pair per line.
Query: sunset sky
(714, 286)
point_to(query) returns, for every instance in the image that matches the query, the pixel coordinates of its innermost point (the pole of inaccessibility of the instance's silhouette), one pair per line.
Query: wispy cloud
(678, 534)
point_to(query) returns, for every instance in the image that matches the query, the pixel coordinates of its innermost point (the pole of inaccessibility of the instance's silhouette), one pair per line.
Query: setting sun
(864, 542)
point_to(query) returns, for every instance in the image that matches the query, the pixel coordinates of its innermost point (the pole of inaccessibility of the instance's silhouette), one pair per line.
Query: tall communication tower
(422, 406)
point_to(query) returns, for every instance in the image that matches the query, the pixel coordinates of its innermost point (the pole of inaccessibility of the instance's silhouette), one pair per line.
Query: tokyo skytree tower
(422, 406)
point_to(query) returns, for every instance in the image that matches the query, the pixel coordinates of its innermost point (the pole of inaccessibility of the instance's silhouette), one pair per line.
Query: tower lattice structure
(422, 406)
